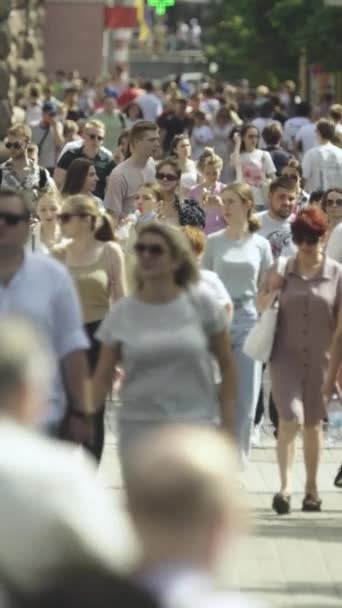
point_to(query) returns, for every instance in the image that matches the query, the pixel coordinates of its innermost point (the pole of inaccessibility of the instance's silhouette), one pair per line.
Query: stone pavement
(287, 562)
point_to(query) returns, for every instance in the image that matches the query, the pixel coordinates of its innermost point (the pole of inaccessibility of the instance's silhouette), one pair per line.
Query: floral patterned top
(34, 179)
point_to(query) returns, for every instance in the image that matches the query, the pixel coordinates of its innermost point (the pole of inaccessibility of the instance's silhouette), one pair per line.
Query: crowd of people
(142, 231)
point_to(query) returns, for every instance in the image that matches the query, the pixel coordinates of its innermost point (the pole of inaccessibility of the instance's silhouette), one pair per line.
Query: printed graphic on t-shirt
(253, 174)
(279, 240)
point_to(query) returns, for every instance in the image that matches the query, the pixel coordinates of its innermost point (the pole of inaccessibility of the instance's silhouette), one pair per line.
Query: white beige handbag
(259, 342)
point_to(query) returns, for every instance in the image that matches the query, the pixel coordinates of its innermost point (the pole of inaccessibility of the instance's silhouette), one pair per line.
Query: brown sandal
(311, 504)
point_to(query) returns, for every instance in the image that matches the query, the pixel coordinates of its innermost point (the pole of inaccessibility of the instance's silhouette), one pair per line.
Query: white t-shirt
(322, 168)
(307, 136)
(151, 106)
(53, 512)
(165, 356)
(211, 281)
(256, 166)
(291, 129)
(334, 246)
(278, 234)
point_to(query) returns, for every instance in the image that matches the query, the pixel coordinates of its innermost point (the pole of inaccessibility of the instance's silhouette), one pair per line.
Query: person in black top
(93, 150)
(174, 123)
(272, 135)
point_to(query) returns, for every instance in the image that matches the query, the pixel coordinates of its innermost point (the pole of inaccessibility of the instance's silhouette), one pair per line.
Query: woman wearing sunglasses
(174, 211)
(96, 263)
(332, 207)
(163, 336)
(81, 178)
(309, 305)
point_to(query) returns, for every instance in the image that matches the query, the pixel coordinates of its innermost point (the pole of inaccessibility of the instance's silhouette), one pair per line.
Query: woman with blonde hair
(207, 192)
(240, 257)
(162, 336)
(46, 233)
(96, 264)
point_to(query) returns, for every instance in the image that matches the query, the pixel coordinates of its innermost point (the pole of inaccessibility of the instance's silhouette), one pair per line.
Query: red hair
(310, 220)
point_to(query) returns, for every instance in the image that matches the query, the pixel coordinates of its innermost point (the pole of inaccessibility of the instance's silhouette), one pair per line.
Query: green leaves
(262, 39)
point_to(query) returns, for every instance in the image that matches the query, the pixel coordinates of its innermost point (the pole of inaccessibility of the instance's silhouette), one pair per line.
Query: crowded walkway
(171, 267)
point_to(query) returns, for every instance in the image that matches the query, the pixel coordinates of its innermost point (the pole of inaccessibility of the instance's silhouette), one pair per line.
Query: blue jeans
(249, 382)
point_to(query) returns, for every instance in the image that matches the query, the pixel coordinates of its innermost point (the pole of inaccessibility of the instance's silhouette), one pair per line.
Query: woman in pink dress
(207, 192)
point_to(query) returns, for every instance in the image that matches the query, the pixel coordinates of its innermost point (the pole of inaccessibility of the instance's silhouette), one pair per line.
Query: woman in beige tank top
(96, 264)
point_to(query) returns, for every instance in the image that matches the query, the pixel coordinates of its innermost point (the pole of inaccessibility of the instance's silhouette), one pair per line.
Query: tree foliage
(263, 39)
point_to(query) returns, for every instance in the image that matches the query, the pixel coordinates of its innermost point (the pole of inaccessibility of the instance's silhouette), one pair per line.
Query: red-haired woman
(309, 305)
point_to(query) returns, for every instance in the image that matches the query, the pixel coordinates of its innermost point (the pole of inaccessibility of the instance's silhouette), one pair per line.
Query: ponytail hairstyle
(245, 193)
(101, 222)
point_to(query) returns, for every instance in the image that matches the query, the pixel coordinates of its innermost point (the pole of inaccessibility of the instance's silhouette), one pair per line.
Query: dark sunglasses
(64, 218)
(94, 137)
(154, 250)
(16, 145)
(310, 239)
(337, 203)
(170, 177)
(13, 219)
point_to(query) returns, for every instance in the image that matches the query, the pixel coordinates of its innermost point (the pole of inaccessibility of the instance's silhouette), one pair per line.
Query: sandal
(281, 504)
(311, 504)
(338, 478)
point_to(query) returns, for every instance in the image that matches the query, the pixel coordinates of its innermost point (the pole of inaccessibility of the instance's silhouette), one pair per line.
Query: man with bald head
(183, 497)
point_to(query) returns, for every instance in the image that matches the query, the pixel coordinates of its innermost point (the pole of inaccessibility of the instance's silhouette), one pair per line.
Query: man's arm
(116, 194)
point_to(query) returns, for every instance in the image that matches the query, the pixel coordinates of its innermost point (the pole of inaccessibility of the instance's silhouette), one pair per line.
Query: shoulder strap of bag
(40, 145)
(110, 271)
(42, 178)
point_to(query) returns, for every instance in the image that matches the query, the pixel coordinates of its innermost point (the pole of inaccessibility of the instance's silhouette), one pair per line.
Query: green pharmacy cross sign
(160, 6)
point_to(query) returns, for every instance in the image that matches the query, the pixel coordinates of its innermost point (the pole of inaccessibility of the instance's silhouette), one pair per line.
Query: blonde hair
(154, 188)
(196, 237)
(179, 247)
(102, 224)
(94, 124)
(209, 158)
(20, 130)
(53, 196)
(245, 193)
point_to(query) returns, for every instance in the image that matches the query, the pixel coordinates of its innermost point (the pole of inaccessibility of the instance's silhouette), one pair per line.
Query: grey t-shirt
(123, 184)
(278, 233)
(45, 140)
(165, 356)
(238, 263)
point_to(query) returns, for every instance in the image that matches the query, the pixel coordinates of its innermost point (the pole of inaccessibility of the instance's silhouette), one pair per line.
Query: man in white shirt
(128, 176)
(53, 512)
(276, 220)
(322, 165)
(40, 289)
(184, 502)
(306, 138)
(150, 104)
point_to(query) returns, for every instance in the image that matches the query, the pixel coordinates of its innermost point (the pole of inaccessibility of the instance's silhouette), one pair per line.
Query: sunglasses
(310, 239)
(153, 250)
(13, 219)
(337, 203)
(94, 137)
(16, 145)
(64, 218)
(169, 177)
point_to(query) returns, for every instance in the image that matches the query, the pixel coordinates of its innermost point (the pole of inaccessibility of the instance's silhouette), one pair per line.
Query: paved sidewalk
(288, 562)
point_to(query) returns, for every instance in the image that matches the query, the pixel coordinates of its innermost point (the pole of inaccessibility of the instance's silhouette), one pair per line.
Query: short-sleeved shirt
(124, 183)
(256, 166)
(165, 356)
(55, 312)
(103, 163)
(239, 264)
(278, 233)
(322, 168)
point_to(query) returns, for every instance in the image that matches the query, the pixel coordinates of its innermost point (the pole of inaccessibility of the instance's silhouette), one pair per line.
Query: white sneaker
(256, 436)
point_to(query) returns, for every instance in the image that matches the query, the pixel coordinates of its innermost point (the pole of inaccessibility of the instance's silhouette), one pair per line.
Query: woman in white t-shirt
(46, 233)
(163, 336)
(252, 165)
